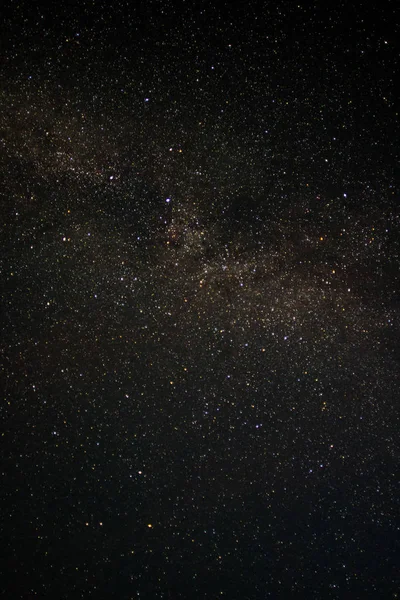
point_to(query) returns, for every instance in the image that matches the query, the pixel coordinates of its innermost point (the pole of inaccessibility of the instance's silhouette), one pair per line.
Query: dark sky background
(200, 300)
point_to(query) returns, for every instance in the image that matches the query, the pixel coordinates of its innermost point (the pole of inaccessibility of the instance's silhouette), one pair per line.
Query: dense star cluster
(200, 301)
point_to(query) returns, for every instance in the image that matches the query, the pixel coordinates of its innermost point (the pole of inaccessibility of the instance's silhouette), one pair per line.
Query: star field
(200, 294)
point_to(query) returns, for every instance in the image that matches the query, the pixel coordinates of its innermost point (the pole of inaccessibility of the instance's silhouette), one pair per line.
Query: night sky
(200, 293)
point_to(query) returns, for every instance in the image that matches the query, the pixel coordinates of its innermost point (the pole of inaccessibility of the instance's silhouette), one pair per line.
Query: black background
(200, 300)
